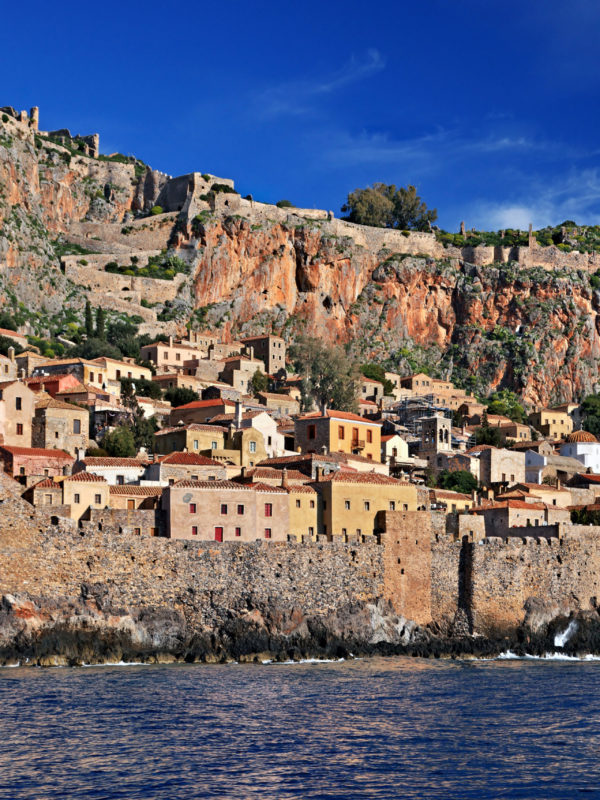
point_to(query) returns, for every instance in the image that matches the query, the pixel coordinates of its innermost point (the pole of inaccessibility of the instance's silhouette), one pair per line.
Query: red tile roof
(140, 491)
(274, 474)
(342, 476)
(506, 504)
(338, 415)
(301, 488)
(85, 477)
(107, 461)
(36, 451)
(220, 485)
(194, 426)
(47, 483)
(205, 404)
(263, 487)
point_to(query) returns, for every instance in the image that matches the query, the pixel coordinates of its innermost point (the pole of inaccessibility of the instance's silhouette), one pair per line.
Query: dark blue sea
(380, 728)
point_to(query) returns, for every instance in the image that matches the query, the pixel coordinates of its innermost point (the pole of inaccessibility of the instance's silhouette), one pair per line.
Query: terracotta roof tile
(107, 461)
(140, 491)
(194, 426)
(220, 485)
(36, 451)
(191, 459)
(343, 476)
(205, 404)
(85, 477)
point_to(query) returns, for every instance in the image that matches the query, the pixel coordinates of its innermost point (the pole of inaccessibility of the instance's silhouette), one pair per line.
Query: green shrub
(284, 204)
(206, 177)
(156, 210)
(5, 118)
(222, 188)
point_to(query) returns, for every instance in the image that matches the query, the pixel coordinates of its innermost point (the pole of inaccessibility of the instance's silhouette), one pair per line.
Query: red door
(218, 534)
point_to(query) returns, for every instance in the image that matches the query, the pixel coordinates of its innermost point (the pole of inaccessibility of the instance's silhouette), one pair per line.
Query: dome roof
(581, 436)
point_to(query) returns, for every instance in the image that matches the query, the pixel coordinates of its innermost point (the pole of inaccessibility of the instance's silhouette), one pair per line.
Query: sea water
(373, 728)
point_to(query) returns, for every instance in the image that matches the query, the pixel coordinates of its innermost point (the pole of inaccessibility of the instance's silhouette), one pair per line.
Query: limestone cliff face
(490, 326)
(528, 321)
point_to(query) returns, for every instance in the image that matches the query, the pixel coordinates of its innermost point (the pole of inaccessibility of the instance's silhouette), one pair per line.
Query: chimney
(211, 351)
(284, 479)
(80, 453)
(558, 483)
(170, 341)
(318, 473)
(251, 351)
(243, 473)
(11, 353)
(237, 418)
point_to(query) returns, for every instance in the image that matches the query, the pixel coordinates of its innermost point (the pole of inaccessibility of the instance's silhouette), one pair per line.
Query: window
(120, 480)
(76, 498)
(76, 426)
(392, 505)
(130, 505)
(192, 508)
(347, 505)
(213, 445)
(137, 531)
(194, 477)
(129, 375)
(19, 429)
(21, 470)
(48, 499)
(370, 456)
(118, 374)
(91, 377)
(238, 531)
(312, 431)
(268, 510)
(297, 503)
(194, 530)
(312, 503)
(97, 498)
(267, 533)
(344, 531)
(253, 447)
(269, 439)
(177, 356)
(324, 505)
(369, 436)
(404, 506)
(212, 478)
(367, 505)
(18, 403)
(223, 508)
(311, 531)
(340, 432)
(196, 444)
(56, 434)
(503, 477)
(171, 481)
(358, 532)
(46, 472)
(240, 509)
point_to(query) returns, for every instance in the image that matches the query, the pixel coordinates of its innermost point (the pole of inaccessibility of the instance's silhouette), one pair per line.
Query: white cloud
(297, 97)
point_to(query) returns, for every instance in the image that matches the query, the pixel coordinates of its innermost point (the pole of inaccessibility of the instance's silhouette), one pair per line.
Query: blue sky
(490, 108)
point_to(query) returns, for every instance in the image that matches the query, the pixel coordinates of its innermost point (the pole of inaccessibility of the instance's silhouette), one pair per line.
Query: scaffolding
(411, 410)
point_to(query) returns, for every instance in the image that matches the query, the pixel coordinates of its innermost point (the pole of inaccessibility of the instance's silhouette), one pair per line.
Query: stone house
(450, 502)
(17, 404)
(516, 431)
(304, 511)
(503, 517)
(29, 464)
(113, 370)
(238, 372)
(17, 338)
(498, 465)
(261, 421)
(538, 467)
(185, 466)
(370, 389)
(115, 471)
(393, 449)
(460, 462)
(199, 411)
(52, 384)
(154, 408)
(338, 431)
(279, 404)
(270, 349)
(177, 380)
(28, 361)
(195, 438)
(85, 491)
(418, 383)
(350, 501)
(167, 355)
(574, 411)
(8, 366)
(224, 511)
(60, 425)
(131, 498)
(273, 477)
(551, 495)
(552, 423)
(89, 372)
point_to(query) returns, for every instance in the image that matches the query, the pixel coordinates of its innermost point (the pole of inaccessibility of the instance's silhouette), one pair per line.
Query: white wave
(119, 664)
(561, 639)
(510, 656)
(306, 661)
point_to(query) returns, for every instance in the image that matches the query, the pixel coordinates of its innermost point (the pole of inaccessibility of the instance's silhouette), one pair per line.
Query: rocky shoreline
(37, 632)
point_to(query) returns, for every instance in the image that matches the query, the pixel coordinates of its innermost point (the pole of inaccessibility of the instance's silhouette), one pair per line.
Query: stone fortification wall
(506, 573)
(125, 286)
(98, 261)
(147, 233)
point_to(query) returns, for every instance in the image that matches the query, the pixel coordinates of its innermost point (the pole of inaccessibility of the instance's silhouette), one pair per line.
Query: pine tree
(89, 320)
(100, 323)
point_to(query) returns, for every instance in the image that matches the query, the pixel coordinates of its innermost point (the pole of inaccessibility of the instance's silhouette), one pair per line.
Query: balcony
(358, 444)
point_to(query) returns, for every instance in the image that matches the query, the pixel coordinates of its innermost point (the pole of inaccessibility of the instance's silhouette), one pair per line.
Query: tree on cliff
(460, 481)
(591, 414)
(377, 373)
(89, 320)
(507, 404)
(329, 377)
(100, 323)
(385, 206)
(180, 397)
(120, 443)
(259, 382)
(487, 434)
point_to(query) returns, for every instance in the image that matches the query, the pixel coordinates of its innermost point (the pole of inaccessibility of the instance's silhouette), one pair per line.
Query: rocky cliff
(487, 317)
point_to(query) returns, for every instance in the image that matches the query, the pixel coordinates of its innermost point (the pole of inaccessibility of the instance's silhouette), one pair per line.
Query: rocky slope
(253, 268)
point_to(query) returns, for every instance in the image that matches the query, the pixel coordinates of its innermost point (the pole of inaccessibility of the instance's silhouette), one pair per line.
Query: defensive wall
(128, 287)
(426, 572)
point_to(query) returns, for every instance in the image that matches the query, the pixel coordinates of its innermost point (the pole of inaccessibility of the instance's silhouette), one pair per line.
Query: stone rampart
(125, 286)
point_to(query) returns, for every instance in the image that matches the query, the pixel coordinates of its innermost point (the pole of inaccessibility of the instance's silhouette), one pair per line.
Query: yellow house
(195, 438)
(114, 370)
(338, 432)
(304, 502)
(351, 500)
(551, 423)
(76, 493)
(449, 501)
